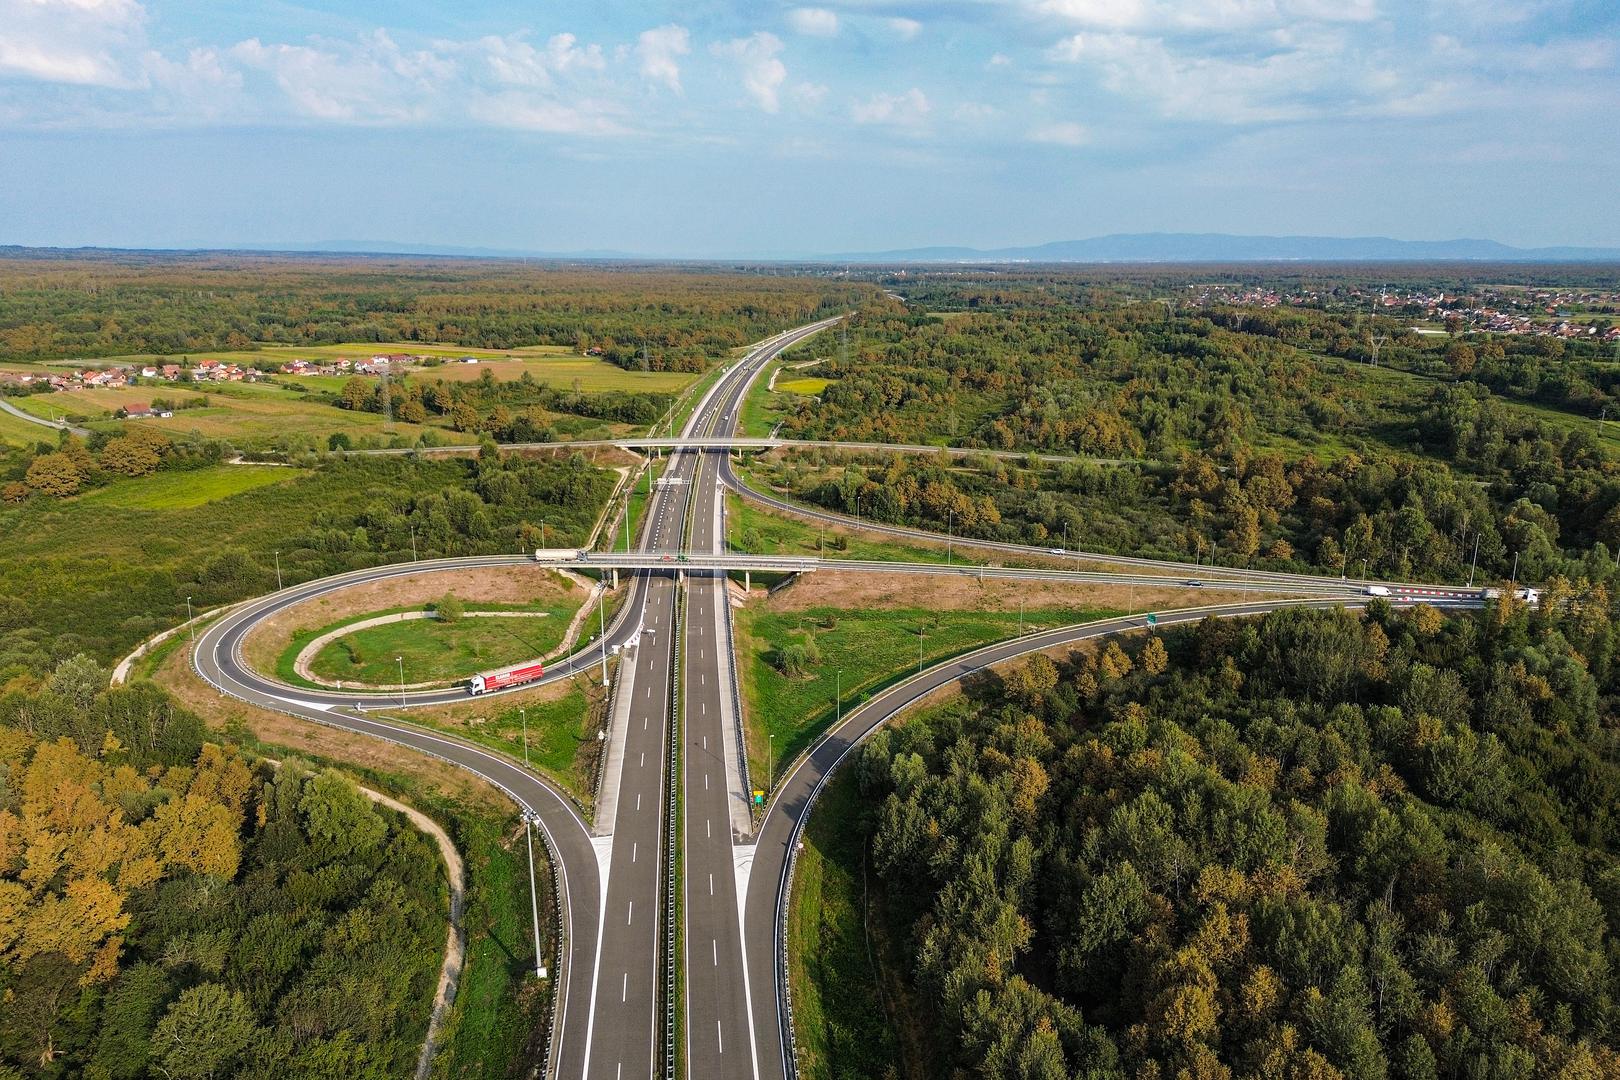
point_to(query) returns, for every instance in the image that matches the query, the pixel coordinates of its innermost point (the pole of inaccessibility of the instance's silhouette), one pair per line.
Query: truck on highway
(504, 678)
(560, 555)
(1529, 596)
(1378, 590)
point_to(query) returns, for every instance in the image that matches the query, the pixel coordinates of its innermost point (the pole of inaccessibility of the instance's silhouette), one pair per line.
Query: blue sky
(716, 127)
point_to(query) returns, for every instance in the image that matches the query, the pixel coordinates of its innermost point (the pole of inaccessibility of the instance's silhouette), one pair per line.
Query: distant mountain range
(1222, 247)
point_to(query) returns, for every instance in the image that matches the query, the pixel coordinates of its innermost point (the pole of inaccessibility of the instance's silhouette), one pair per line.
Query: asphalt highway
(719, 1037)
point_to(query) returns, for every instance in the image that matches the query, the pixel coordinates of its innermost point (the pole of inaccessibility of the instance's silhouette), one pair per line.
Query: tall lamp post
(190, 623)
(278, 571)
(523, 716)
(534, 899)
(400, 660)
(838, 699)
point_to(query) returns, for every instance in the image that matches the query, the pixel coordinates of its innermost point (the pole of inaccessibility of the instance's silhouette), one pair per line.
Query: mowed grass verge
(189, 488)
(860, 651)
(837, 943)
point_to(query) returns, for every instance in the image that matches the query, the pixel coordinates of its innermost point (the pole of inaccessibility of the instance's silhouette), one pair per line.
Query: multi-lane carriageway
(614, 874)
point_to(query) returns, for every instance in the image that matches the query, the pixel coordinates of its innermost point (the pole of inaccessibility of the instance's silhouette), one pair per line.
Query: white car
(1056, 551)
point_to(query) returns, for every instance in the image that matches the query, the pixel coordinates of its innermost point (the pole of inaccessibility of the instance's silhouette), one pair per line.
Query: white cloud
(756, 62)
(1064, 133)
(81, 42)
(909, 109)
(905, 29)
(369, 81)
(659, 51)
(813, 22)
(1287, 75)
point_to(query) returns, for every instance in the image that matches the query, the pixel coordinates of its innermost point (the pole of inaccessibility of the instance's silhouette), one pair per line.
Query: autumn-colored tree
(56, 475)
(129, 457)
(1153, 659)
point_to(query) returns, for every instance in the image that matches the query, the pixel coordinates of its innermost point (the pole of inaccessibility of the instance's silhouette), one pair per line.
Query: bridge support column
(747, 582)
(615, 584)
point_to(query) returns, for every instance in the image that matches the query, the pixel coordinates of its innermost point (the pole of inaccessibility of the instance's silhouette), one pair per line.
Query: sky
(730, 128)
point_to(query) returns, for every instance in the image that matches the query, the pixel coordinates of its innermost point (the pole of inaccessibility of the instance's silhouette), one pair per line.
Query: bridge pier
(747, 582)
(615, 573)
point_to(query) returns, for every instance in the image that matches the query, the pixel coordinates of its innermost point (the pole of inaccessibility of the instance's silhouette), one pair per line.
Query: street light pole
(1475, 561)
(400, 660)
(770, 764)
(413, 542)
(601, 632)
(278, 571)
(838, 699)
(190, 623)
(950, 518)
(524, 716)
(534, 899)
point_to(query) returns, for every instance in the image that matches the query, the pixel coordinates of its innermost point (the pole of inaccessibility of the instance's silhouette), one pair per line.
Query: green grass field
(190, 488)
(15, 431)
(434, 651)
(871, 648)
(840, 1016)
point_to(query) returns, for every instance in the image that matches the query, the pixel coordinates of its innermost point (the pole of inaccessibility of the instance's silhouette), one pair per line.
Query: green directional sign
(1153, 620)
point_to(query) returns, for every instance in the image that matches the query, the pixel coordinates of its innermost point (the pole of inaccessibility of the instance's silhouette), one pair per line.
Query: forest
(114, 303)
(1206, 442)
(172, 908)
(1314, 844)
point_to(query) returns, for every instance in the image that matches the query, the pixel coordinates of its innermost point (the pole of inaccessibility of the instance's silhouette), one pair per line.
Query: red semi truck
(500, 680)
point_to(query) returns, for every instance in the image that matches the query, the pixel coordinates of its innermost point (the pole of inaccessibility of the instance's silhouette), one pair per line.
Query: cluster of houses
(381, 364)
(214, 371)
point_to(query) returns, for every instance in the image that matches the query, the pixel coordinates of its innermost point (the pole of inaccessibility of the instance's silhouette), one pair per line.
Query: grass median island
(434, 650)
(789, 662)
(563, 721)
(756, 531)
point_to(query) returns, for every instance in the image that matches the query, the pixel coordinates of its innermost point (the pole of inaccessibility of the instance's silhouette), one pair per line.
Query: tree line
(111, 304)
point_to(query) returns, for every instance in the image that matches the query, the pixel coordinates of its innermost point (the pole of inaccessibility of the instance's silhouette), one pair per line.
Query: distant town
(1588, 314)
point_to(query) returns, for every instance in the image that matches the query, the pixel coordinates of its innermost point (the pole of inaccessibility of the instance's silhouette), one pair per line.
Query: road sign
(1153, 620)
(759, 797)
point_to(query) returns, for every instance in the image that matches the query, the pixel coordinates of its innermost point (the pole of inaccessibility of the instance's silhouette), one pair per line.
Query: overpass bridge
(682, 562)
(735, 442)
